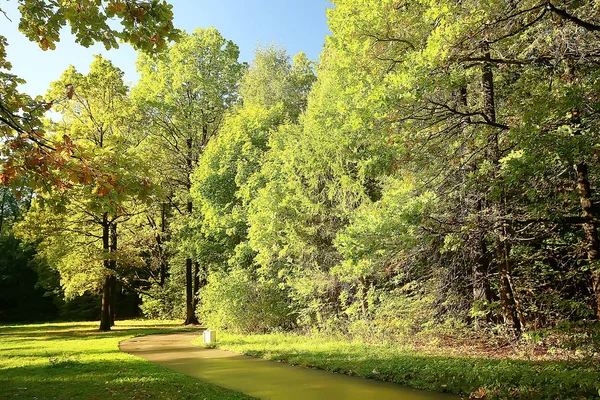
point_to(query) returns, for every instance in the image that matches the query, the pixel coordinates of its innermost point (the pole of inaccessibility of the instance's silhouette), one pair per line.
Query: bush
(243, 304)
(81, 308)
(164, 302)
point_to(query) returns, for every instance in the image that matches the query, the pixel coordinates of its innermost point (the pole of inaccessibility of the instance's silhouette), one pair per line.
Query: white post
(210, 336)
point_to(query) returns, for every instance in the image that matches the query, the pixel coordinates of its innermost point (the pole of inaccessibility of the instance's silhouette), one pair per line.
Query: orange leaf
(67, 140)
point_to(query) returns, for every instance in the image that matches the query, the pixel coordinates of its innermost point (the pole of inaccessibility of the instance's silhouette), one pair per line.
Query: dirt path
(261, 378)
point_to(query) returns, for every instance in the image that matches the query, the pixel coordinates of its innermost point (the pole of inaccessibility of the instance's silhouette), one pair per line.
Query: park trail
(261, 378)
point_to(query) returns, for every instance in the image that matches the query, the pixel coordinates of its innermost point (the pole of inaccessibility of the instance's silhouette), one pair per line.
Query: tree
(226, 181)
(457, 80)
(184, 95)
(272, 79)
(147, 25)
(77, 222)
(315, 173)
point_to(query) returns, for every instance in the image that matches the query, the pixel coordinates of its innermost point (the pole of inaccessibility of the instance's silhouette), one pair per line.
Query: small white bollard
(210, 336)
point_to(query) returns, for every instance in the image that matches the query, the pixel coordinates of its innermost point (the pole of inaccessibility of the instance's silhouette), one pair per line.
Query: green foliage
(164, 302)
(272, 80)
(226, 179)
(382, 234)
(21, 299)
(27, 154)
(241, 303)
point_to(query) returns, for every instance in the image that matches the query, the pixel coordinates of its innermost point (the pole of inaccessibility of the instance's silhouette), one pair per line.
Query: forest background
(433, 175)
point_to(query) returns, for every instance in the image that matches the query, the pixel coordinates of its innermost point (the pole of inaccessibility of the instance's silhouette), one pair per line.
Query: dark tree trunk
(196, 283)
(190, 317)
(489, 109)
(189, 292)
(479, 257)
(112, 306)
(163, 256)
(105, 310)
(113, 267)
(509, 305)
(589, 229)
(4, 190)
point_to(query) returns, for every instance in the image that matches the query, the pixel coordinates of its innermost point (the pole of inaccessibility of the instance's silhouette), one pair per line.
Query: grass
(75, 361)
(472, 376)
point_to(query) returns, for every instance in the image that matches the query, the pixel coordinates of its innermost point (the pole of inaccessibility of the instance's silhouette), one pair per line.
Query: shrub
(166, 302)
(243, 304)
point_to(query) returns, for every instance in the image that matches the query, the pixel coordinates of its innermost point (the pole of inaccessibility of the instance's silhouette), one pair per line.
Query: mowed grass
(474, 377)
(75, 361)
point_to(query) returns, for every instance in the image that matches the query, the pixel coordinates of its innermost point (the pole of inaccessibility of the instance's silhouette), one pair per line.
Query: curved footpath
(261, 378)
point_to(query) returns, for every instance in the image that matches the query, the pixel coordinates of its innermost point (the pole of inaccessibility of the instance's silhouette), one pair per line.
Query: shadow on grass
(84, 331)
(130, 379)
(76, 361)
(45, 328)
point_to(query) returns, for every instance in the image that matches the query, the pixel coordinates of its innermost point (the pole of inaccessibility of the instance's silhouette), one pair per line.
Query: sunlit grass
(496, 378)
(75, 361)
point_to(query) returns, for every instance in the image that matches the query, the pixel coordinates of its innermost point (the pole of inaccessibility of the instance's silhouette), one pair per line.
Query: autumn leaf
(8, 174)
(67, 140)
(479, 394)
(116, 7)
(44, 44)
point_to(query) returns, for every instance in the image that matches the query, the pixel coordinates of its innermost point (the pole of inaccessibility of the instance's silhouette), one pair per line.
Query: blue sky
(297, 25)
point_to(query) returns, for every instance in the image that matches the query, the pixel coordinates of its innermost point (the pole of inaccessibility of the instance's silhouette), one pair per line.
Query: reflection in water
(261, 378)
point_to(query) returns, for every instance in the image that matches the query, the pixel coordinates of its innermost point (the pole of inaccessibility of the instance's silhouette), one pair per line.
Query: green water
(261, 378)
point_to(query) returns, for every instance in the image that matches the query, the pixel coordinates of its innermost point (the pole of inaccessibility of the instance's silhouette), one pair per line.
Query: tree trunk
(189, 292)
(4, 190)
(163, 258)
(189, 280)
(589, 229)
(196, 283)
(509, 305)
(112, 305)
(513, 318)
(105, 310)
(113, 267)
(480, 261)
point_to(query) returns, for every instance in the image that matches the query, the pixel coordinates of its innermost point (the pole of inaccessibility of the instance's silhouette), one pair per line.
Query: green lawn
(497, 378)
(75, 361)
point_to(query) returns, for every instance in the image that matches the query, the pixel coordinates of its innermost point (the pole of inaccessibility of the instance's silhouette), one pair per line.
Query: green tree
(227, 180)
(147, 25)
(184, 95)
(455, 100)
(77, 223)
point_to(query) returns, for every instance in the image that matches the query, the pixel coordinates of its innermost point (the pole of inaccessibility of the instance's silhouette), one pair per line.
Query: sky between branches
(295, 25)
